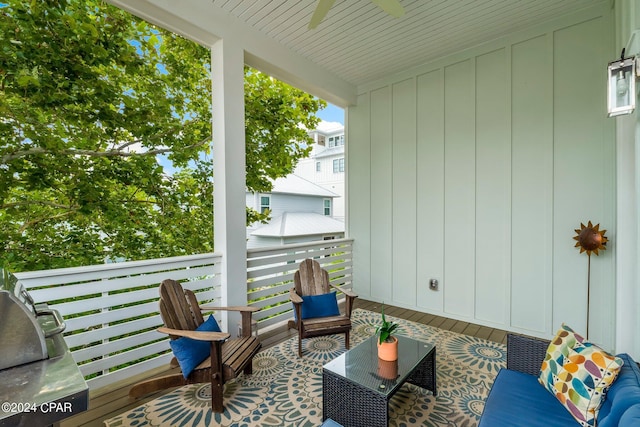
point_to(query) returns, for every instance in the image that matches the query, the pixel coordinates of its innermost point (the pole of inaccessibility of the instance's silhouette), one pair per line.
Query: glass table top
(362, 365)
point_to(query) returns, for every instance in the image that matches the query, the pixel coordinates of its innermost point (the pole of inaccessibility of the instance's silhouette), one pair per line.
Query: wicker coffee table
(355, 391)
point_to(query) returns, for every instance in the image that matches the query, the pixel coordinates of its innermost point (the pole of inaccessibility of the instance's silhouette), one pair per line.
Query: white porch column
(628, 236)
(227, 70)
(627, 244)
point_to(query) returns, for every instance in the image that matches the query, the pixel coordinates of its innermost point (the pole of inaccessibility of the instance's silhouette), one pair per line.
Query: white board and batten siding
(475, 171)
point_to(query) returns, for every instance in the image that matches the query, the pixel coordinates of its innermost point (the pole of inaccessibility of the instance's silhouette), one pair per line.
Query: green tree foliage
(90, 96)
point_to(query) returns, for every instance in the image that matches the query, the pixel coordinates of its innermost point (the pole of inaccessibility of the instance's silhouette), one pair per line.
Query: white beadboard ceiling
(360, 43)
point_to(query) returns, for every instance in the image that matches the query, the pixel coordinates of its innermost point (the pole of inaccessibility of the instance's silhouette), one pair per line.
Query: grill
(40, 383)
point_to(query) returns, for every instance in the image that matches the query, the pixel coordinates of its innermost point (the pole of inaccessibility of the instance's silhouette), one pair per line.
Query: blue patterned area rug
(285, 390)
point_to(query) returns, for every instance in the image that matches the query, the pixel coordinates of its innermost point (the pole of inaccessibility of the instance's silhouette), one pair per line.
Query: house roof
(329, 128)
(357, 42)
(329, 151)
(291, 224)
(294, 184)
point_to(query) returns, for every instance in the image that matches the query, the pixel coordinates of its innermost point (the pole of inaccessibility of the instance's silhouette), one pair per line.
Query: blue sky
(332, 114)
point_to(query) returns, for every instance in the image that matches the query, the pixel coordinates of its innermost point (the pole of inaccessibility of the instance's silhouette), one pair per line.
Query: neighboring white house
(301, 211)
(326, 164)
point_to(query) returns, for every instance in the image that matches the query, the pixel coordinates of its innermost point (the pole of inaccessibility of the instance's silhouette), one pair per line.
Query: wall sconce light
(621, 86)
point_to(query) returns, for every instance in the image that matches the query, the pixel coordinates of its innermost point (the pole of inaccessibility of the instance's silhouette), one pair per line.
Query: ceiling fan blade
(392, 7)
(321, 11)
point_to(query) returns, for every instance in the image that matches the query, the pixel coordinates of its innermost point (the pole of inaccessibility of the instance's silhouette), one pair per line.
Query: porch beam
(227, 71)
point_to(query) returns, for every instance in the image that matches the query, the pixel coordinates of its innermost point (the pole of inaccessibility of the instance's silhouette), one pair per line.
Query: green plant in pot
(387, 343)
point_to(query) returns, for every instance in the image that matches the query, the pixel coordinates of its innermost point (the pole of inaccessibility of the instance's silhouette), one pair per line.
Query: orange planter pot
(388, 369)
(388, 350)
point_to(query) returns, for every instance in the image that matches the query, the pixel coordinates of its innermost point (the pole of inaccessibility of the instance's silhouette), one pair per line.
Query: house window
(265, 203)
(338, 165)
(335, 141)
(317, 166)
(327, 207)
(320, 139)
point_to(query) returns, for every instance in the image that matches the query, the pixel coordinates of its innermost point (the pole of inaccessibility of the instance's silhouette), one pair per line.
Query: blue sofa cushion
(622, 395)
(517, 399)
(190, 353)
(631, 416)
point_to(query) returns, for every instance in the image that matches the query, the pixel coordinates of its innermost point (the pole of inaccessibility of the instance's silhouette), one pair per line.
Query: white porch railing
(270, 274)
(111, 310)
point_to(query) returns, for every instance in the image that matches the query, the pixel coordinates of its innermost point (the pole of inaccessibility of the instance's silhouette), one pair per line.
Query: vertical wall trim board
(417, 249)
(509, 132)
(392, 142)
(417, 260)
(474, 89)
(445, 287)
(549, 320)
(443, 186)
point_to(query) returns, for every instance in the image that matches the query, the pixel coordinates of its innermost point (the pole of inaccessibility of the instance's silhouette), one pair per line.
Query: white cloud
(329, 127)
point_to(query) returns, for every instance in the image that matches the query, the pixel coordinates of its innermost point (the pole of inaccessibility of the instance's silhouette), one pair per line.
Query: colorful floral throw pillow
(557, 351)
(582, 382)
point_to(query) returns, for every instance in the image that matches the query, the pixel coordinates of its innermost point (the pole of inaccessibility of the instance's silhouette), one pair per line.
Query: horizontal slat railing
(111, 310)
(270, 274)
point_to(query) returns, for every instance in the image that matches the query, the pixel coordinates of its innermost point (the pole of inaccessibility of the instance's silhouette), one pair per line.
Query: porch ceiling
(357, 42)
(360, 43)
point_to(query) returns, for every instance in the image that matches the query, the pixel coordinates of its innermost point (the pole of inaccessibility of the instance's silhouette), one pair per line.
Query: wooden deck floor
(112, 400)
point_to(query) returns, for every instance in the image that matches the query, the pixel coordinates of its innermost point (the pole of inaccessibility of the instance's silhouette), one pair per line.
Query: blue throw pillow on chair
(190, 353)
(322, 305)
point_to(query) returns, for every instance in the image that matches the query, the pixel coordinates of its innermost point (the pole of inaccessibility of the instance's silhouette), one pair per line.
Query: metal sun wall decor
(590, 239)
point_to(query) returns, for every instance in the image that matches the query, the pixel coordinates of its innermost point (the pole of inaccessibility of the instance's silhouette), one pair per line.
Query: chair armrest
(294, 297)
(195, 335)
(347, 292)
(525, 354)
(240, 308)
(349, 297)
(245, 311)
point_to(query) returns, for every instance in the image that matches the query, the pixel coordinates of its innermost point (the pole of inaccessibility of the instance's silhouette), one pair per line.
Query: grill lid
(22, 337)
(36, 367)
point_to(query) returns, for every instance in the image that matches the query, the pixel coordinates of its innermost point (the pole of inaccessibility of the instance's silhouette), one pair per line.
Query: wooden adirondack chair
(181, 314)
(311, 279)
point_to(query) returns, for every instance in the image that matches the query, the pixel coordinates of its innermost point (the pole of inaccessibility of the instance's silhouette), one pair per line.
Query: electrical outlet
(433, 284)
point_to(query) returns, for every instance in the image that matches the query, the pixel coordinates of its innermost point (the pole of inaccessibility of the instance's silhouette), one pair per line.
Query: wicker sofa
(517, 399)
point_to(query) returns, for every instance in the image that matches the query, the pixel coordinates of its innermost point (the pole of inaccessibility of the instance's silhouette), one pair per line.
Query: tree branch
(36, 202)
(91, 153)
(35, 221)
(127, 144)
